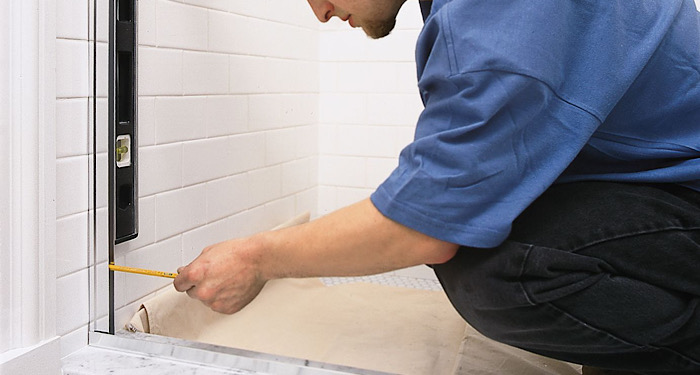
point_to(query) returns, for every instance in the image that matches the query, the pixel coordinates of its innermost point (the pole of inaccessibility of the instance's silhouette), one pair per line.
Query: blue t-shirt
(520, 95)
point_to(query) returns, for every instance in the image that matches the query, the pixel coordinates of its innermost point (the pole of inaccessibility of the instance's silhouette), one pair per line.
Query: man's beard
(378, 29)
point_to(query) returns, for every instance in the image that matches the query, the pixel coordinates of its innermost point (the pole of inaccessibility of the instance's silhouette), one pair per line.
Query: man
(553, 183)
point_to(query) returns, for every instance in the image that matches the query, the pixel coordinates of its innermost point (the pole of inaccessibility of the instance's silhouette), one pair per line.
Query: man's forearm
(356, 240)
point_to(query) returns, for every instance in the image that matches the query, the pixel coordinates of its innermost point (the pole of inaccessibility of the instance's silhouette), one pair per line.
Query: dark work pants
(602, 274)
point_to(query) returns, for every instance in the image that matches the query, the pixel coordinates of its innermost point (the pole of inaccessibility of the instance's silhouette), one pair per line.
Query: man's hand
(225, 276)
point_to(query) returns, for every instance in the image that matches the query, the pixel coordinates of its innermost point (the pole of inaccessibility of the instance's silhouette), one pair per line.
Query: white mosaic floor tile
(386, 279)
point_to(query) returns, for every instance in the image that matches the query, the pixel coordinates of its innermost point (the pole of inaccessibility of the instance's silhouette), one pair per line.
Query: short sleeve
(487, 144)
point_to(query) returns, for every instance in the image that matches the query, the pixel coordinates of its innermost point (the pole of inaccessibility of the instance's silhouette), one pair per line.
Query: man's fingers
(183, 282)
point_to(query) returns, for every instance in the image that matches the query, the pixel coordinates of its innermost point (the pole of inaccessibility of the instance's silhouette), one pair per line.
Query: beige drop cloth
(370, 326)
(377, 327)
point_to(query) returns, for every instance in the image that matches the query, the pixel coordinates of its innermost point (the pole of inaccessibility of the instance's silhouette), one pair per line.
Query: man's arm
(356, 240)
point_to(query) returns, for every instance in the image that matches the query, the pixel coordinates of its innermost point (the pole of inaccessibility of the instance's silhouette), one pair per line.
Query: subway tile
(265, 185)
(147, 22)
(271, 39)
(72, 19)
(351, 140)
(71, 302)
(180, 210)
(97, 186)
(407, 81)
(102, 286)
(205, 160)
(272, 111)
(225, 30)
(179, 119)
(328, 139)
(226, 115)
(99, 245)
(279, 211)
(393, 109)
(307, 140)
(71, 243)
(162, 256)
(181, 26)
(375, 141)
(296, 13)
(205, 73)
(327, 198)
(247, 152)
(160, 71)
(346, 196)
(372, 77)
(342, 45)
(329, 76)
(160, 168)
(343, 109)
(246, 74)
(249, 222)
(102, 61)
(399, 46)
(281, 145)
(307, 201)
(71, 127)
(378, 169)
(71, 185)
(74, 341)
(403, 136)
(98, 123)
(342, 171)
(194, 241)
(226, 196)
(223, 5)
(102, 18)
(147, 121)
(297, 176)
(409, 18)
(72, 74)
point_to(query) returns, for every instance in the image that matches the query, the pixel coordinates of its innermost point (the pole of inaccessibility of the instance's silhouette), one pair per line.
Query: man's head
(376, 17)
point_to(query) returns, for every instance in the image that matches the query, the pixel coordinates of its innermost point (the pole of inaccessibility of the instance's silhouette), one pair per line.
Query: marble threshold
(136, 353)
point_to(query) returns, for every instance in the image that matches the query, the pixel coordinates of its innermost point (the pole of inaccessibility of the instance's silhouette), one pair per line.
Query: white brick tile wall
(194, 241)
(179, 118)
(181, 26)
(71, 243)
(160, 71)
(72, 304)
(226, 196)
(180, 210)
(146, 121)
(281, 145)
(225, 115)
(147, 22)
(160, 168)
(342, 170)
(247, 151)
(249, 113)
(205, 160)
(72, 63)
(71, 185)
(265, 185)
(165, 256)
(205, 73)
(71, 127)
(77, 12)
